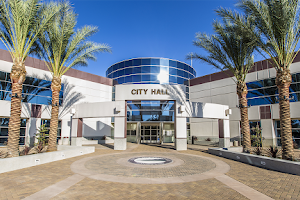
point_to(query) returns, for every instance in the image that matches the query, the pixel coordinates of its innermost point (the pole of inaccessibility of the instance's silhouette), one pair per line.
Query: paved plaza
(107, 174)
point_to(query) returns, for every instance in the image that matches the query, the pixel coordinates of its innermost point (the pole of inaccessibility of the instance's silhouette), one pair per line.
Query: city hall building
(147, 100)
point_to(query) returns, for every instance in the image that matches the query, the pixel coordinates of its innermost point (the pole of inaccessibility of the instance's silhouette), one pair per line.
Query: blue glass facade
(147, 111)
(35, 91)
(150, 71)
(266, 92)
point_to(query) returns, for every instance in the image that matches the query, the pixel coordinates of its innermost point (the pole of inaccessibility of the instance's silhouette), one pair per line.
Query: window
(36, 91)
(266, 92)
(47, 125)
(295, 132)
(4, 122)
(150, 110)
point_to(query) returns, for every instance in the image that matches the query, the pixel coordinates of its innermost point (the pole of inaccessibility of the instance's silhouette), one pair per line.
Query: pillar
(224, 133)
(120, 142)
(181, 137)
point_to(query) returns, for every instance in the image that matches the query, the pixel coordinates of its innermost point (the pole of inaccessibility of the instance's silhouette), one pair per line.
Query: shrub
(273, 151)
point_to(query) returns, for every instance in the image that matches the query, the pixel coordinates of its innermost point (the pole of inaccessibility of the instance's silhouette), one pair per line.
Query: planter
(260, 161)
(11, 164)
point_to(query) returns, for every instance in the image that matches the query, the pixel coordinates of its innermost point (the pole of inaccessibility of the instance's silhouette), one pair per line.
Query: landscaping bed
(276, 164)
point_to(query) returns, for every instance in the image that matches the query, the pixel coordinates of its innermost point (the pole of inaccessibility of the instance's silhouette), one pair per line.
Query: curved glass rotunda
(150, 71)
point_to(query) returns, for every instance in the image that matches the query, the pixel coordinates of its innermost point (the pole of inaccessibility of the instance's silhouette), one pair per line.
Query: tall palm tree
(63, 48)
(21, 22)
(279, 25)
(230, 49)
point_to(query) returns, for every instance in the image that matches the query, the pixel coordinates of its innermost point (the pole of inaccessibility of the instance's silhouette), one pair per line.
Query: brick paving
(22, 183)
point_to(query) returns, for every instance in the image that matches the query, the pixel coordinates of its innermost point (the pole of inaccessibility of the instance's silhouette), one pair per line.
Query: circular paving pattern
(123, 167)
(150, 160)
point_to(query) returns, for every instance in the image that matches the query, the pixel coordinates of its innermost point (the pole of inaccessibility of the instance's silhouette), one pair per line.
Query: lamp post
(72, 112)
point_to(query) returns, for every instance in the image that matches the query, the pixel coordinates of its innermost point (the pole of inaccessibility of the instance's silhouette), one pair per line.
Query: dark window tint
(136, 78)
(155, 61)
(2, 76)
(128, 71)
(137, 70)
(155, 69)
(136, 62)
(146, 69)
(146, 61)
(128, 63)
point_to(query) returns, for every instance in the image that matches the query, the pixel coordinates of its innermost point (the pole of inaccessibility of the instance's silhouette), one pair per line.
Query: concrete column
(120, 133)
(224, 133)
(268, 132)
(181, 137)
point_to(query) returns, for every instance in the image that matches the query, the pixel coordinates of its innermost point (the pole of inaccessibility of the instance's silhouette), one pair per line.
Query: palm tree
(279, 25)
(230, 50)
(63, 48)
(21, 22)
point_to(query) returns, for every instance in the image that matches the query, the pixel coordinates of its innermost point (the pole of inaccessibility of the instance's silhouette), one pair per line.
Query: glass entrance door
(150, 133)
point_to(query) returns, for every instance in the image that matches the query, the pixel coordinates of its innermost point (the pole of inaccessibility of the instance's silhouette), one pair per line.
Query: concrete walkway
(107, 174)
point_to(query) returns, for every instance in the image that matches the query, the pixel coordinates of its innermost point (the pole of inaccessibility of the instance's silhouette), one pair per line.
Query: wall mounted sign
(152, 91)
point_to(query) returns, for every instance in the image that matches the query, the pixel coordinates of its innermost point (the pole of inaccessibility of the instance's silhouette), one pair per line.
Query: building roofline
(40, 64)
(150, 58)
(258, 66)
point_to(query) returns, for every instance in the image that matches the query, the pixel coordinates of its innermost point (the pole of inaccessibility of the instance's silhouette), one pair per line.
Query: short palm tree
(21, 22)
(63, 48)
(279, 25)
(230, 49)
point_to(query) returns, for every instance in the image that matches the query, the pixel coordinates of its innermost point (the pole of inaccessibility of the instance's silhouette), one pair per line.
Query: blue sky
(147, 28)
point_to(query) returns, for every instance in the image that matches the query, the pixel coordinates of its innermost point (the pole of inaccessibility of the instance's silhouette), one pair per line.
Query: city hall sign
(152, 91)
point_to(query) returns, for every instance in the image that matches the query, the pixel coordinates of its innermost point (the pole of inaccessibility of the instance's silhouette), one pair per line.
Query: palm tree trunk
(17, 76)
(55, 87)
(243, 104)
(283, 81)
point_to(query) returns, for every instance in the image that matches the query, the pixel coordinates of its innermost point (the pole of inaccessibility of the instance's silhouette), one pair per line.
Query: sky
(148, 28)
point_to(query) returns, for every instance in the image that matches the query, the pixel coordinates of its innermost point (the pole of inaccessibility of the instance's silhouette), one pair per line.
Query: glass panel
(22, 132)
(47, 122)
(180, 65)
(153, 127)
(133, 132)
(147, 132)
(128, 132)
(8, 77)
(121, 65)
(155, 61)
(128, 63)
(269, 82)
(136, 62)
(296, 124)
(22, 141)
(121, 72)
(172, 63)
(155, 69)
(164, 62)
(137, 70)
(3, 141)
(146, 69)
(4, 122)
(145, 77)
(23, 122)
(128, 71)
(180, 73)
(146, 61)
(2, 75)
(4, 132)
(128, 79)
(172, 79)
(254, 85)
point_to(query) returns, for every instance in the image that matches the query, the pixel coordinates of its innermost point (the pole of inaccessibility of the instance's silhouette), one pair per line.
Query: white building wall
(224, 92)
(86, 91)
